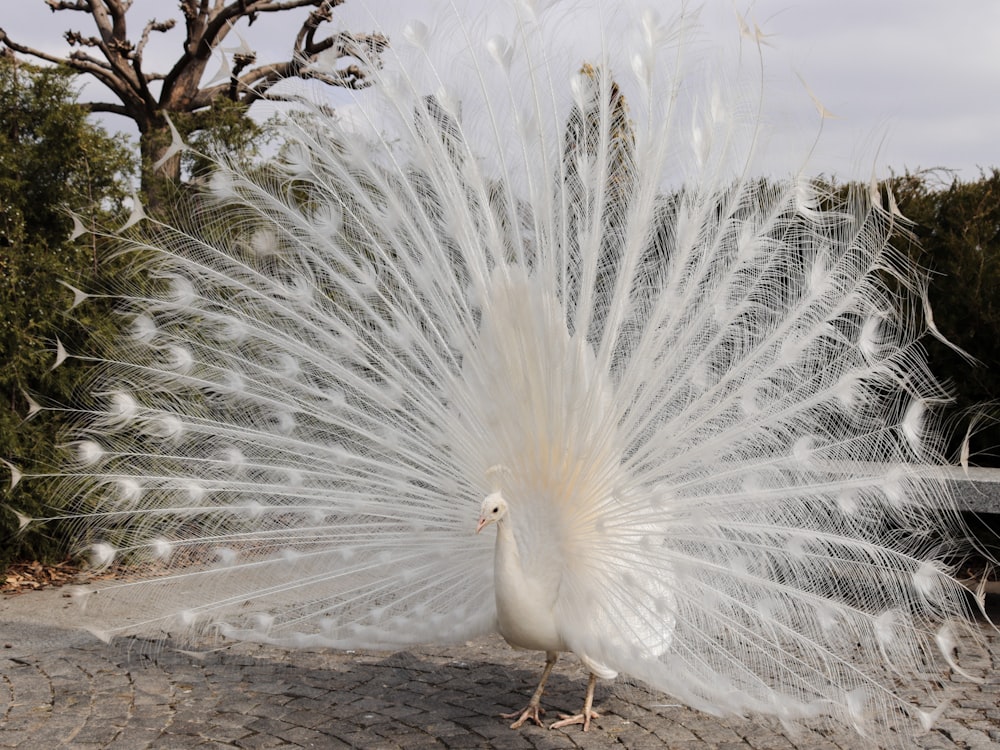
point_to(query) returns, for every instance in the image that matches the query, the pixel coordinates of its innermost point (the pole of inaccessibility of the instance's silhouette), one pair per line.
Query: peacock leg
(534, 708)
(586, 715)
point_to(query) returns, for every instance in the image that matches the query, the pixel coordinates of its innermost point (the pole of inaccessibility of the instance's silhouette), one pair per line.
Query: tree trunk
(158, 185)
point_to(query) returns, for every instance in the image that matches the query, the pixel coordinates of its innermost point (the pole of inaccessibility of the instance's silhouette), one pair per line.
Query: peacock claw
(566, 720)
(533, 712)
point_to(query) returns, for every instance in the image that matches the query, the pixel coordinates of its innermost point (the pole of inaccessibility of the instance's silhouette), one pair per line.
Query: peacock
(548, 281)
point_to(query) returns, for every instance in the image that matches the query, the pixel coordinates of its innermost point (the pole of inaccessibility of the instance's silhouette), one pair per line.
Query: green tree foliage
(957, 233)
(51, 160)
(224, 128)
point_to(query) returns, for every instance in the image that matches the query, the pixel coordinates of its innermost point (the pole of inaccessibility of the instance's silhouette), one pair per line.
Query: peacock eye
(495, 510)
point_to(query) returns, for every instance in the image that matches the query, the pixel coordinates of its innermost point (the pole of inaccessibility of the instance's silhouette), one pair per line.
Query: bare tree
(116, 60)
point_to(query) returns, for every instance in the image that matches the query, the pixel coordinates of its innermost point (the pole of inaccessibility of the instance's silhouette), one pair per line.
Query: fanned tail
(701, 390)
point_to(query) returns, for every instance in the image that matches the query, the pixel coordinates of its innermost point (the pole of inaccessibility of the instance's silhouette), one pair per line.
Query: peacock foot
(533, 712)
(566, 720)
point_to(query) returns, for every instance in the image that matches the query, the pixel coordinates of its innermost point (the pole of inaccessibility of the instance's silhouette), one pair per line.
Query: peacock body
(557, 282)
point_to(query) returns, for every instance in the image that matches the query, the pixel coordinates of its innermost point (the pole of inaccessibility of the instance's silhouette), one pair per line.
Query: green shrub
(957, 231)
(51, 159)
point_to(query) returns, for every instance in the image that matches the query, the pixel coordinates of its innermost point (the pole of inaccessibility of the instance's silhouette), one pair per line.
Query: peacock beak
(483, 521)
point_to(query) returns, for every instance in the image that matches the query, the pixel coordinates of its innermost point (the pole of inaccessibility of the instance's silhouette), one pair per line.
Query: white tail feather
(542, 279)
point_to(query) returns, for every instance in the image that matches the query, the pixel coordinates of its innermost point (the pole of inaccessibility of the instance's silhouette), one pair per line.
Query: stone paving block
(540, 740)
(936, 741)
(462, 742)
(443, 729)
(978, 703)
(412, 742)
(97, 732)
(528, 739)
(304, 691)
(637, 741)
(764, 740)
(225, 733)
(374, 722)
(260, 742)
(133, 740)
(596, 740)
(360, 738)
(402, 711)
(305, 718)
(51, 735)
(718, 735)
(309, 703)
(190, 727)
(237, 704)
(298, 736)
(330, 743)
(670, 733)
(166, 741)
(155, 717)
(269, 710)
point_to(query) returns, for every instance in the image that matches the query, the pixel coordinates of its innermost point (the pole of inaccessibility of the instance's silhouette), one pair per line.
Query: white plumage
(552, 279)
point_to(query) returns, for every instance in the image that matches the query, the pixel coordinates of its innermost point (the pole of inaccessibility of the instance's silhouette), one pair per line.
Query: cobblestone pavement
(60, 687)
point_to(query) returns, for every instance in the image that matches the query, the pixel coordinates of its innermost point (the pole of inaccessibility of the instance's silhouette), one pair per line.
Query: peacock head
(493, 509)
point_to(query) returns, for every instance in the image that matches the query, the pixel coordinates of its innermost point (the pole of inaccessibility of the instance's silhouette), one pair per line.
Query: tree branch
(103, 72)
(153, 25)
(115, 109)
(220, 20)
(321, 15)
(78, 61)
(360, 46)
(111, 26)
(240, 62)
(109, 17)
(83, 5)
(255, 85)
(117, 9)
(208, 27)
(30, 51)
(141, 77)
(81, 61)
(118, 62)
(75, 38)
(275, 6)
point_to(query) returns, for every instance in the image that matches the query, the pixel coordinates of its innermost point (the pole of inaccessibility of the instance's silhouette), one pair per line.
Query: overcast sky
(912, 83)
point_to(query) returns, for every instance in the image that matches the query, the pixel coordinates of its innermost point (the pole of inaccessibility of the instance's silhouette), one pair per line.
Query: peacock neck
(508, 568)
(506, 555)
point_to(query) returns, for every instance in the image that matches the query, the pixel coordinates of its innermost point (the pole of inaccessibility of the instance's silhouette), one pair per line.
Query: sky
(910, 85)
